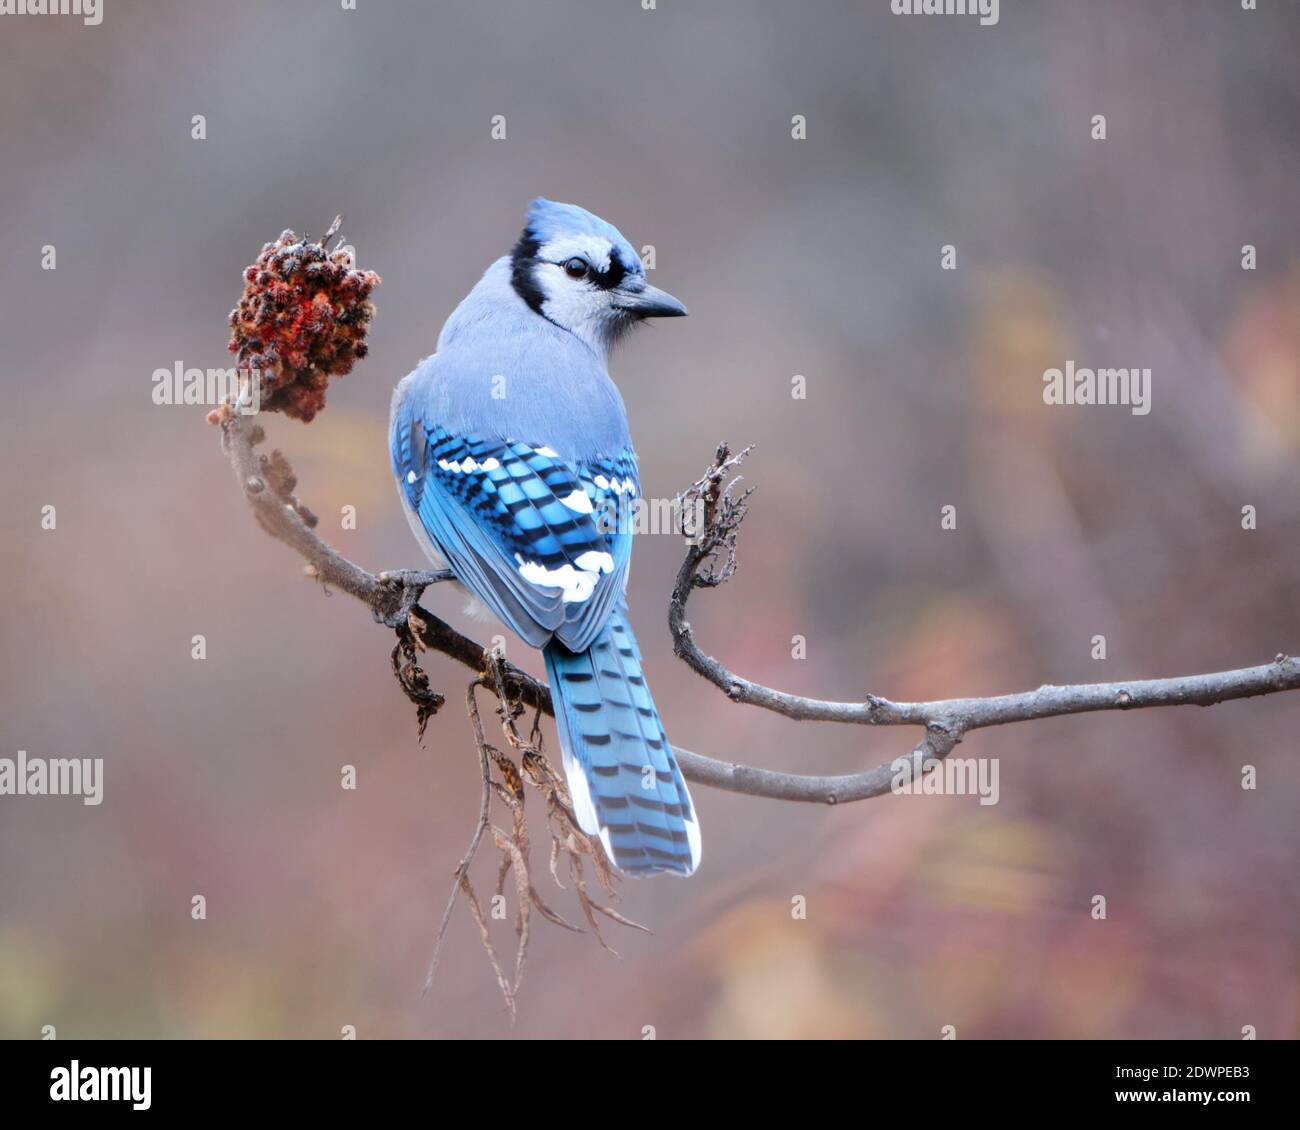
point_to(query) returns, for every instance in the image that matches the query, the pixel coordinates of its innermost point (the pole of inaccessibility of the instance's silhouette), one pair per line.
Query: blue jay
(515, 469)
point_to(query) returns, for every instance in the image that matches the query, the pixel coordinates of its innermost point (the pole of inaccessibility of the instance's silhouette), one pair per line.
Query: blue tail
(622, 775)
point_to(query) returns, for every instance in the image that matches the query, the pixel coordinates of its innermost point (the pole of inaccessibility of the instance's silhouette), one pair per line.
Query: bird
(516, 471)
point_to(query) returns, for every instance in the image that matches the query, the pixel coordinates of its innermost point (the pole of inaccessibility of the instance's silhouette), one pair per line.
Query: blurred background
(819, 258)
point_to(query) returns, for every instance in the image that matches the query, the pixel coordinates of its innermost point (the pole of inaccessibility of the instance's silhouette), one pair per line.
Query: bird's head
(578, 272)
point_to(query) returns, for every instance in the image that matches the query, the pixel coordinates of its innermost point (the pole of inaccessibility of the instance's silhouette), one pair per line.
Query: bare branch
(711, 560)
(268, 484)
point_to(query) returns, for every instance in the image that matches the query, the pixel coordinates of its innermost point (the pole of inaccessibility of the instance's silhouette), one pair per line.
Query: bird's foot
(406, 587)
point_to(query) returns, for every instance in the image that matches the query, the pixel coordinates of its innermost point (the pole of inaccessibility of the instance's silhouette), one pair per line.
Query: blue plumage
(516, 469)
(615, 747)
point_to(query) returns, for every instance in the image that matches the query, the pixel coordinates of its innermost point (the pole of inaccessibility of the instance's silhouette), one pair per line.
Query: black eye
(576, 268)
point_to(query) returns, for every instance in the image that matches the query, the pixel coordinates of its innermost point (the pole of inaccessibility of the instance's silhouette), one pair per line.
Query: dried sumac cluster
(302, 320)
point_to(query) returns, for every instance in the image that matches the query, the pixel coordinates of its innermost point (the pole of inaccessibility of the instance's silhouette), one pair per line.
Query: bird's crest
(550, 220)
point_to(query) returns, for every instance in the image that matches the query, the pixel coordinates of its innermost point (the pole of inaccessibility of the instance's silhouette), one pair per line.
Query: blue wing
(543, 543)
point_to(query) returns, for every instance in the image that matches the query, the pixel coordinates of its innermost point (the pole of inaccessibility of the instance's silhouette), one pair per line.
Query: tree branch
(267, 482)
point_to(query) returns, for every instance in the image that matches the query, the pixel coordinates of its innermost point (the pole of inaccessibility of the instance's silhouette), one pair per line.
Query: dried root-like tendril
(506, 777)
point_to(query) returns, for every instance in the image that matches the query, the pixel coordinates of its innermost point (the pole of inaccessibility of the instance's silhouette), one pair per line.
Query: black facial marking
(522, 260)
(613, 274)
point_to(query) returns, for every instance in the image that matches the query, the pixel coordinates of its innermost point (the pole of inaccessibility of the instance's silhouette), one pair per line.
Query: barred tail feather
(622, 775)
